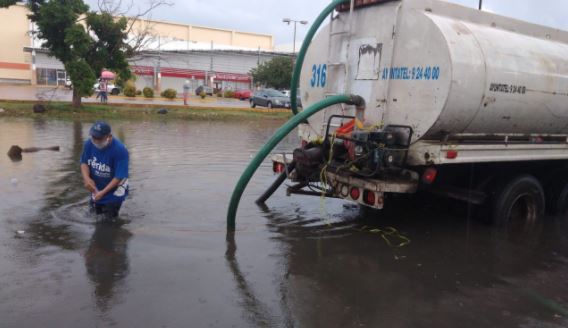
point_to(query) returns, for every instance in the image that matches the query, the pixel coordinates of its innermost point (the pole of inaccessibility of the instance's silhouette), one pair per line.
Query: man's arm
(120, 174)
(87, 181)
(110, 186)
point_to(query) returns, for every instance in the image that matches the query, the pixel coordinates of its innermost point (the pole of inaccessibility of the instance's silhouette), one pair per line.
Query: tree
(140, 28)
(85, 42)
(275, 73)
(7, 3)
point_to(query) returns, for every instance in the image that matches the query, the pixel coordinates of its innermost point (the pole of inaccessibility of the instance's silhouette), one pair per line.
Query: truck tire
(252, 104)
(518, 204)
(269, 105)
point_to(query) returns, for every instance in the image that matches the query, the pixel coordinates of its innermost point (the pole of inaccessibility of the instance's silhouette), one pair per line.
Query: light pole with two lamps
(289, 21)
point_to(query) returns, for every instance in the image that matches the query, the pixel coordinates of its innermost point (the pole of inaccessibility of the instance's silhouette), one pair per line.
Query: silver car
(270, 98)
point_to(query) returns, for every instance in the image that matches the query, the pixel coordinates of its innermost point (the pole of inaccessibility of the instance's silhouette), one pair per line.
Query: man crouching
(104, 167)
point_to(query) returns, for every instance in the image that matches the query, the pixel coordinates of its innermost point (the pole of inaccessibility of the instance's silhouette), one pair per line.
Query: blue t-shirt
(106, 164)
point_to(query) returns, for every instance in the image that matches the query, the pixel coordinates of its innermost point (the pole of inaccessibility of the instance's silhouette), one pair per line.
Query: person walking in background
(103, 90)
(99, 90)
(186, 88)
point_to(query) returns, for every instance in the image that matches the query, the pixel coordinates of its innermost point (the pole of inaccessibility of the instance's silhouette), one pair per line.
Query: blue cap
(100, 129)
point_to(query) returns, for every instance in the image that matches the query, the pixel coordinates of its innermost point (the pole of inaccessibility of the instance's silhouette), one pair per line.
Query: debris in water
(15, 152)
(39, 109)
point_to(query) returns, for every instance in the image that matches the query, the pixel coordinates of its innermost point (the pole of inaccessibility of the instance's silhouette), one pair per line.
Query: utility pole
(211, 65)
(158, 68)
(480, 4)
(34, 71)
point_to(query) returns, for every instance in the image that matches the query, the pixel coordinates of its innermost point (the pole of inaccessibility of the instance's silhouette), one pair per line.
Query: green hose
(273, 141)
(302, 54)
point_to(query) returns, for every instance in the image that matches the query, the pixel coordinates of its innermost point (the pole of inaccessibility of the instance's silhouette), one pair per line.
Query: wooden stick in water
(16, 151)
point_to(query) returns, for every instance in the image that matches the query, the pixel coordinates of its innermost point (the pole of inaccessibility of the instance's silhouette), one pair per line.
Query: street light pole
(294, 44)
(480, 4)
(289, 21)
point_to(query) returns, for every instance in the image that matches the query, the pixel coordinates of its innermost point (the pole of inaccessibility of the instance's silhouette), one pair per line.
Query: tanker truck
(454, 101)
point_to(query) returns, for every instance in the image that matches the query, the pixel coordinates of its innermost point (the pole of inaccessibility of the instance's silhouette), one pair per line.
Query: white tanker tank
(442, 69)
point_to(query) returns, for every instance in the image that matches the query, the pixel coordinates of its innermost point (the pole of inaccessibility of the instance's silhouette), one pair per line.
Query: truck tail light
(429, 176)
(452, 154)
(278, 167)
(369, 197)
(355, 193)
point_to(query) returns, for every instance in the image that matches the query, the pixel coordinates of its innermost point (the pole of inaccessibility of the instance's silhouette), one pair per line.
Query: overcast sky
(265, 16)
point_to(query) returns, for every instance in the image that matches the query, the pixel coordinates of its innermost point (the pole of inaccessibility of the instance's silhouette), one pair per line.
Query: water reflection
(255, 311)
(107, 263)
(340, 274)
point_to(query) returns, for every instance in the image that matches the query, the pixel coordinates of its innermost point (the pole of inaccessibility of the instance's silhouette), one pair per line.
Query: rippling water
(297, 262)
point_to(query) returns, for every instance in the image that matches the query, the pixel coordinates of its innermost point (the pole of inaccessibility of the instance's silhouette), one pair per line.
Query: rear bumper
(344, 184)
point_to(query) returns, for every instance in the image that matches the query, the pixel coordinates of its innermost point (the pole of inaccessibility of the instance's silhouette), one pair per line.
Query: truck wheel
(269, 105)
(252, 104)
(519, 204)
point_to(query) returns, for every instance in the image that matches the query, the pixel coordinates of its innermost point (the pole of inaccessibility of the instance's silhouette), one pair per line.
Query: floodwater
(299, 262)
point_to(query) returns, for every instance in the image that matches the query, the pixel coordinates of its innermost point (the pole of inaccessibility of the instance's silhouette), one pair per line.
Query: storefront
(222, 70)
(175, 78)
(51, 76)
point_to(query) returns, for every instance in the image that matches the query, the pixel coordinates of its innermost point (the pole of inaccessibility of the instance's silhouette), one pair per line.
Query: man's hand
(98, 196)
(90, 185)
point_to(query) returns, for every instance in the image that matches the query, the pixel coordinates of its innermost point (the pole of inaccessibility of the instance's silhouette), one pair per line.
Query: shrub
(229, 94)
(169, 93)
(148, 92)
(138, 92)
(219, 94)
(202, 94)
(130, 89)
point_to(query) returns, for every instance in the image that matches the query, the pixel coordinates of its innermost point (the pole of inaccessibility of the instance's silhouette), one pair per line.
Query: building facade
(15, 64)
(220, 69)
(177, 52)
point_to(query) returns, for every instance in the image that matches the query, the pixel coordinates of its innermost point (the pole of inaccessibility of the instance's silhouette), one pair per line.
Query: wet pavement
(298, 262)
(15, 92)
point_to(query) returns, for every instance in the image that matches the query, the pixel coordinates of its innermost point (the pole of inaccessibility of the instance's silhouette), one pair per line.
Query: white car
(112, 89)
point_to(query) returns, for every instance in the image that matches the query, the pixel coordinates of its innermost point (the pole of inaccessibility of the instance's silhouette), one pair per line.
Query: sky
(265, 16)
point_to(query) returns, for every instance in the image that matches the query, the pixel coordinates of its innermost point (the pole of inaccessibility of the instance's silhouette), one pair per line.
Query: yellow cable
(323, 179)
(387, 233)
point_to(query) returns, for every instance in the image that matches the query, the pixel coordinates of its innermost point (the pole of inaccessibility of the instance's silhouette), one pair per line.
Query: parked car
(112, 89)
(208, 90)
(243, 94)
(270, 98)
(298, 97)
